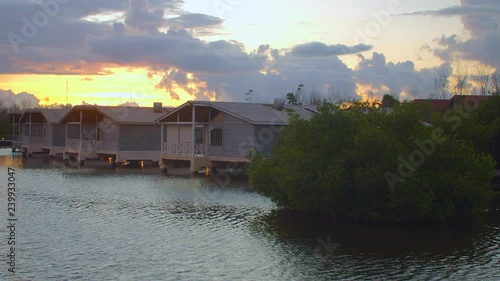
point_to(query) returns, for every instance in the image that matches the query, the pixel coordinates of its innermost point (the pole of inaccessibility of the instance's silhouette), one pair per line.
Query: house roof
(50, 115)
(255, 113)
(436, 105)
(312, 108)
(131, 114)
(124, 114)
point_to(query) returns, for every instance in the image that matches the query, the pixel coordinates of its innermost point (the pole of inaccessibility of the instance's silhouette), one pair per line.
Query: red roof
(436, 105)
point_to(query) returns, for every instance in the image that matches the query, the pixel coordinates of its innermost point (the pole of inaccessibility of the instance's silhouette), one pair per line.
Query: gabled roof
(131, 114)
(255, 113)
(51, 115)
(123, 114)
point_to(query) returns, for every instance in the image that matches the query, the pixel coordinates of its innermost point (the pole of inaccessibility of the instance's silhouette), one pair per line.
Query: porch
(186, 149)
(33, 140)
(77, 145)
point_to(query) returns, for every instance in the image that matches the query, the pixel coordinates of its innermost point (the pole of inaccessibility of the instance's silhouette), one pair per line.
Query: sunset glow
(141, 51)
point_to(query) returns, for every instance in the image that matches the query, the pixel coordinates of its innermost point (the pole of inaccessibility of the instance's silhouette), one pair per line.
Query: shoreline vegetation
(385, 163)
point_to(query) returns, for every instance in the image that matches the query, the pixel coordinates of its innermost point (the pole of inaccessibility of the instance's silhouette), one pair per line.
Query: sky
(143, 51)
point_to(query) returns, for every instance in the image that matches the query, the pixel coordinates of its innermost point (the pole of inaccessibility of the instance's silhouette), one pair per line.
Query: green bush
(345, 163)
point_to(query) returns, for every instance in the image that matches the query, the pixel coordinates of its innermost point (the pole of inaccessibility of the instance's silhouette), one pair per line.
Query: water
(98, 223)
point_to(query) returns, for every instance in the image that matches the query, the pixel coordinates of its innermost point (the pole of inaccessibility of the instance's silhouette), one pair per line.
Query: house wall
(265, 138)
(110, 134)
(236, 137)
(140, 138)
(58, 134)
(237, 140)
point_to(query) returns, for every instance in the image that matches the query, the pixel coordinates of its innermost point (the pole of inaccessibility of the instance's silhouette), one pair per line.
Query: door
(199, 141)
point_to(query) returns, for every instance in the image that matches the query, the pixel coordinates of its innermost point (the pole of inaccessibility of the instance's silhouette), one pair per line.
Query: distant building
(440, 106)
(437, 106)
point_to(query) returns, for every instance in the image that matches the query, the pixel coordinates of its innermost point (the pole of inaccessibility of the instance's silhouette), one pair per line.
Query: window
(100, 134)
(216, 137)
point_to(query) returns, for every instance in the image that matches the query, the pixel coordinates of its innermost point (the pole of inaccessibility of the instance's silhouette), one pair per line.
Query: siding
(140, 137)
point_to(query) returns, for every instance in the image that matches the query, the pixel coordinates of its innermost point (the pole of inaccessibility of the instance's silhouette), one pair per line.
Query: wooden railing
(185, 149)
(76, 144)
(73, 144)
(89, 144)
(36, 140)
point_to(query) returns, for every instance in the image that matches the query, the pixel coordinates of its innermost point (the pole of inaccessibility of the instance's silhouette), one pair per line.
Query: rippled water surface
(99, 223)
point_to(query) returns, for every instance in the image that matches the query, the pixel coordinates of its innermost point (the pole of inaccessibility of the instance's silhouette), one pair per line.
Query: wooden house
(120, 133)
(213, 134)
(42, 131)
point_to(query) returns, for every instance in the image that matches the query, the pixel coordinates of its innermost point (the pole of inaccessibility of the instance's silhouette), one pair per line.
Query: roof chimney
(157, 107)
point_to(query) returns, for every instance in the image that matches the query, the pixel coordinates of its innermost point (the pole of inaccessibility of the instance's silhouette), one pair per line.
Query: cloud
(395, 78)
(188, 66)
(176, 48)
(24, 100)
(480, 18)
(319, 49)
(142, 17)
(487, 8)
(194, 20)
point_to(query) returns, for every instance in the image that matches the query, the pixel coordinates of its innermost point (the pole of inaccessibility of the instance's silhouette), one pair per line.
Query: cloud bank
(159, 35)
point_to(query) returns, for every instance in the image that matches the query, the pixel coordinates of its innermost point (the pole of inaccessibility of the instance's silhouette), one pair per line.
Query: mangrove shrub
(374, 164)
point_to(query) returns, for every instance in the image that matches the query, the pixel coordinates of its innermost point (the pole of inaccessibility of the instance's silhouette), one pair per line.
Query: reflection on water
(100, 223)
